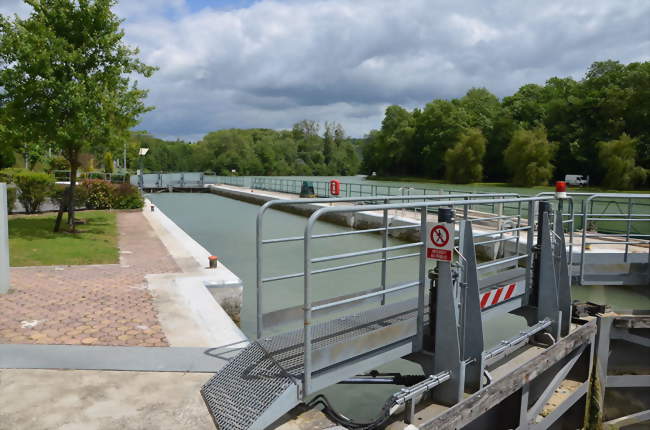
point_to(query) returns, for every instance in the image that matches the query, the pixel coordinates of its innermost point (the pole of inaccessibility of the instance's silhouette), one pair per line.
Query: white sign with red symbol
(440, 242)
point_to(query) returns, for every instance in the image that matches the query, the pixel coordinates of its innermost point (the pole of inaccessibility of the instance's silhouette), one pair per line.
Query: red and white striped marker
(503, 293)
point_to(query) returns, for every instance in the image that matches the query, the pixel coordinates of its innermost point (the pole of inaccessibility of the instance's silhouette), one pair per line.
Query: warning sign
(440, 242)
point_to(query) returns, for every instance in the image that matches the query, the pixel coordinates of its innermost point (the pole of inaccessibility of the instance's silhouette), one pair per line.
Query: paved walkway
(90, 305)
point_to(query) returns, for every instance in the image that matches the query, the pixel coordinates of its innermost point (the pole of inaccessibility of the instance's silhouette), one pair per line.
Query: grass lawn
(32, 242)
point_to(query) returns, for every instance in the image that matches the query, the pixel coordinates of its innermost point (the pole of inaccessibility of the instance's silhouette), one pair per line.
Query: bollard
(213, 261)
(152, 208)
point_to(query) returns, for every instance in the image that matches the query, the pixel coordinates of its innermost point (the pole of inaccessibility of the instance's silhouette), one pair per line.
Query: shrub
(80, 195)
(108, 162)
(7, 175)
(99, 194)
(33, 189)
(58, 163)
(126, 196)
(11, 198)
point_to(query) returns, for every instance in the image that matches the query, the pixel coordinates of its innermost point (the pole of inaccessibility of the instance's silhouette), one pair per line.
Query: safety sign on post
(440, 242)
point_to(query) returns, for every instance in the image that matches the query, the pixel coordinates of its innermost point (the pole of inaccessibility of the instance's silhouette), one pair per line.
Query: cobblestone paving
(90, 305)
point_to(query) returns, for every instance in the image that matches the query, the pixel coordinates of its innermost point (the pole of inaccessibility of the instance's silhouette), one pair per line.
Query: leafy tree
(66, 79)
(482, 107)
(7, 157)
(529, 157)
(437, 128)
(108, 162)
(619, 159)
(464, 162)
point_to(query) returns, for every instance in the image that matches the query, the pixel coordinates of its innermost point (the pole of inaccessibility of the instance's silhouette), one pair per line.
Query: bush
(58, 163)
(7, 175)
(108, 162)
(126, 196)
(80, 195)
(11, 198)
(33, 189)
(99, 194)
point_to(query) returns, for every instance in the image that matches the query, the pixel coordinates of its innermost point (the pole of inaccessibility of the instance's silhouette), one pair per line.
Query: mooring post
(4, 240)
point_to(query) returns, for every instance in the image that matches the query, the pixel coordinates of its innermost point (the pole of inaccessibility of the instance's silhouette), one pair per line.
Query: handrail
(280, 202)
(423, 206)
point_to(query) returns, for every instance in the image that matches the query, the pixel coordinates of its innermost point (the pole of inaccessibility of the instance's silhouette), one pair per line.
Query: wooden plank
(482, 401)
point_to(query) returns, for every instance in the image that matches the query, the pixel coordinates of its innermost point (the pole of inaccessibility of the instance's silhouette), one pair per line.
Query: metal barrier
(385, 229)
(493, 271)
(437, 324)
(610, 219)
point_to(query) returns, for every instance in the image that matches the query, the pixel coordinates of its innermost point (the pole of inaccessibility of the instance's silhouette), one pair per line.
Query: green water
(226, 228)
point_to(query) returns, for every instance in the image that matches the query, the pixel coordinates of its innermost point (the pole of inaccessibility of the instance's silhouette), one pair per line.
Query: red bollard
(213, 261)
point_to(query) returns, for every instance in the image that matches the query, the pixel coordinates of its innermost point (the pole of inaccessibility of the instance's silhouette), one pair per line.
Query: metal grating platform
(248, 386)
(244, 389)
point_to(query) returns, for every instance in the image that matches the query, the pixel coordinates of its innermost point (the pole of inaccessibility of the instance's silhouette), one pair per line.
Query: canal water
(226, 228)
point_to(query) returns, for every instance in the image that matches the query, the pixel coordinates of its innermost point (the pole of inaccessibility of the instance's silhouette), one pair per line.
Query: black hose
(346, 422)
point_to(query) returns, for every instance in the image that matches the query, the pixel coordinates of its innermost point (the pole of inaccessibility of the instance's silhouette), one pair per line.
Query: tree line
(597, 126)
(304, 150)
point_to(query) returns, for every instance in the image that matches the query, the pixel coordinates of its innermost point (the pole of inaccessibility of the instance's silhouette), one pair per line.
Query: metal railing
(64, 176)
(386, 252)
(385, 229)
(310, 308)
(612, 220)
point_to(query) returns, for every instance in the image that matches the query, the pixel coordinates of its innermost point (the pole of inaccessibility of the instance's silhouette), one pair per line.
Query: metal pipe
(365, 252)
(382, 293)
(384, 254)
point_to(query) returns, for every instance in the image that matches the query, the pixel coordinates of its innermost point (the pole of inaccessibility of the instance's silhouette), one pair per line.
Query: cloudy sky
(271, 63)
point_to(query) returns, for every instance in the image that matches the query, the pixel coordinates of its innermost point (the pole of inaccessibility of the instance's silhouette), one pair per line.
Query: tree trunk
(73, 182)
(63, 205)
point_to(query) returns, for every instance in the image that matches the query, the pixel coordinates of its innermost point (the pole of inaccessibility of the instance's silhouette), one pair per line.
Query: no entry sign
(440, 242)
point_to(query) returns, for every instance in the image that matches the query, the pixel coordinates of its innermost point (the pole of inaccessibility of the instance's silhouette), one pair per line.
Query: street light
(142, 153)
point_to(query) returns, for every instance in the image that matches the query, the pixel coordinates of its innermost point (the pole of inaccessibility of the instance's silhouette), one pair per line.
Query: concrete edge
(116, 358)
(199, 289)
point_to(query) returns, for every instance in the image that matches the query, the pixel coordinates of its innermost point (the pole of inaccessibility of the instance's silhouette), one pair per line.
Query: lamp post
(142, 153)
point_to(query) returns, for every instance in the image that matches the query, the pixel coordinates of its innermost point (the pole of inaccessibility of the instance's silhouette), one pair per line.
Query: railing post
(384, 254)
(422, 278)
(306, 385)
(529, 244)
(259, 254)
(4, 240)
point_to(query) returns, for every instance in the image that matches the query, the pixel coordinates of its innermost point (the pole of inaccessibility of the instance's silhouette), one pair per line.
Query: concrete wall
(4, 241)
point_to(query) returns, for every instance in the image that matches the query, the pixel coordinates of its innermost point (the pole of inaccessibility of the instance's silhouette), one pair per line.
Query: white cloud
(277, 62)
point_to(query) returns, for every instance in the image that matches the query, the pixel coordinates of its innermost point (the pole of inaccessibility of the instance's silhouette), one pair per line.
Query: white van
(577, 180)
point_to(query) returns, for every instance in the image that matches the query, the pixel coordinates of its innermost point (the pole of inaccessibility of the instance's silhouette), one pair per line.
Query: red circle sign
(439, 236)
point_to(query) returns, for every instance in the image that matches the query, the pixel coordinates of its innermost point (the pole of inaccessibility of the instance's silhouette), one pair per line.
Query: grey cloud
(277, 62)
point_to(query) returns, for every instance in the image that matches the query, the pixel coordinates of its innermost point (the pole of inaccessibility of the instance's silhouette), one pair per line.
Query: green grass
(32, 242)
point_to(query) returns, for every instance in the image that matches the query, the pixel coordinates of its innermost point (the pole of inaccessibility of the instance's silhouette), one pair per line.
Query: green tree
(619, 160)
(529, 157)
(464, 161)
(66, 79)
(108, 162)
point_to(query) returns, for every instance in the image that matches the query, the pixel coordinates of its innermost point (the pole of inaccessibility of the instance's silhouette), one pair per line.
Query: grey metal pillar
(4, 240)
(563, 279)
(547, 291)
(447, 354)
(471, 323)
